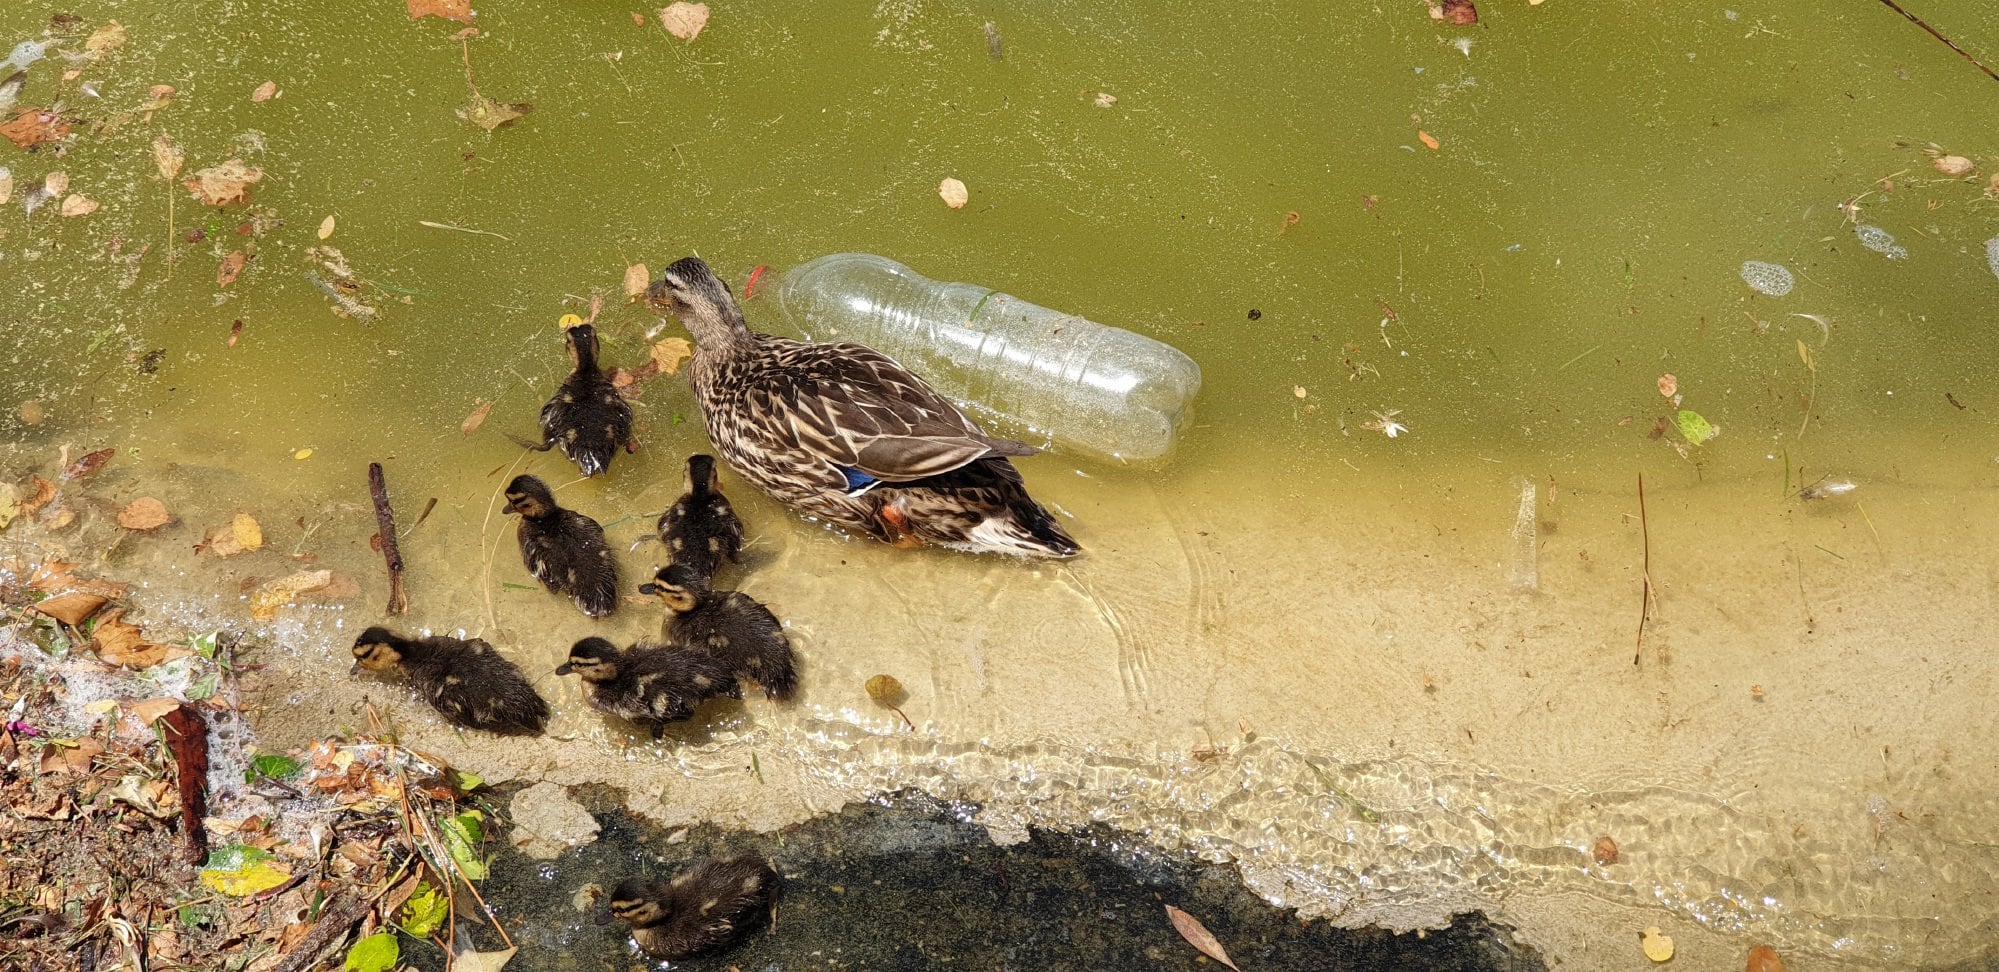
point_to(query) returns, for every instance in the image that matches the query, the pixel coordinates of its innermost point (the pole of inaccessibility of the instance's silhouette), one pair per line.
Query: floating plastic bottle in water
(1767, 278)
(1097, 389)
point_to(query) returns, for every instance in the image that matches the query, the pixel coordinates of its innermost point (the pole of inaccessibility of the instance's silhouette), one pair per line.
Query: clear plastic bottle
(1098, 389)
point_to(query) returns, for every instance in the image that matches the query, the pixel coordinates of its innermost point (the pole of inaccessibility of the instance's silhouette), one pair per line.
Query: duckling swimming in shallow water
(700, 529)
(703, 909)
(564, 549)
(587, 417)
(734, 626)
(648, 683)
(466, 681)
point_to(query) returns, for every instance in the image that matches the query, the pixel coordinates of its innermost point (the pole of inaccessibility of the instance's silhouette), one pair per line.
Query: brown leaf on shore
(167, 157)
(125, 645)
(476, 419)
(264, 92)
(144, 513)
(33, 126)
(72, 608)
(220, 185)
(489, 114)
(1196, 934)
(637, 279)
(684, 20)
(232, 265)
(669, 353)
(88, 465)
(459, 10)
(151, 709)
(75, 759)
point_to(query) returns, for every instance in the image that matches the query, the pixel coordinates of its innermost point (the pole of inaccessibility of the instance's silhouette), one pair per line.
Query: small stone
(547, 822)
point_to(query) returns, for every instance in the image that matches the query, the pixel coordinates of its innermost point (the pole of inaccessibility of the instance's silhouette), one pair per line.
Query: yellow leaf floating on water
(684, 20)
(239, 871)
(1196, 934)
(302, 454)
(1657, 945)
(264, 92)
(669, 353)
(265, 603)
(245, 530)
(474, 420)
(637, 279)
(109, 37)
(326, 227)
(954, 193)
(220, 185)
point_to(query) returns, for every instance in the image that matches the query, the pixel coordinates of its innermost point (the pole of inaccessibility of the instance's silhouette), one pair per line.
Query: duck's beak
(649, 588)
(605, 917)
(356, 670)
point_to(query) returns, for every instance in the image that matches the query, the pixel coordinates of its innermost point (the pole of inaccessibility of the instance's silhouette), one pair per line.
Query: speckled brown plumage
(467, 682)
(700, 529)
(844, 433)
(731, 625)
(587, 418)
(648, 683)
(564, 549)
(703, 909)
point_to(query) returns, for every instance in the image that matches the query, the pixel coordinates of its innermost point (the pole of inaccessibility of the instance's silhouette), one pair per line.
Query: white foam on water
(1769, 279)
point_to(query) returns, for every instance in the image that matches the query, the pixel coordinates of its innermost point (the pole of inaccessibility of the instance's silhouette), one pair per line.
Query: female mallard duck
(844, 433)
(466, 681)
(564, 549)
(703, 909)
(731, 625)
(648, 683)
(700, 529)
(587, 417)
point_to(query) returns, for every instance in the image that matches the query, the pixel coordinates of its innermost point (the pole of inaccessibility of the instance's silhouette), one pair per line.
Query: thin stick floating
(385, 523)
(1645, 604)
(462, 229)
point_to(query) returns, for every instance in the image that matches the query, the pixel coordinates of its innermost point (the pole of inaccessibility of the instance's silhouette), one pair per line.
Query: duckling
(587, 417)
(564, 549)
(701, 529)
(648, 683)
(467, 682)
(703, 909)
(733, 625)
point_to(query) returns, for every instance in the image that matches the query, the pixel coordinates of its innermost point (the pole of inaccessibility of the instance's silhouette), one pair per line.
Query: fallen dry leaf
(6, 184)
(326, 227)
(459, 10)
(220, 185)
(88, 465)
(1196, 934)
(43, 491)
(1955, 166)
(1459, 12)
(232, 265)
(72, 608)
(31, 412)
(489, 114)
(235, 331)
(157, 97)
(1105, 99)
(1657, 946)
(265, 603)
(684, 20)
(1669, 385)
(1429, 141)
(1763, 958)
(637, 279)
(264, 92)
(122, 644)
(151, 709)
(246, 531)
(55, 183)
(471, 961)
(78, 204)
(51, 576)
(954, 193)
(144, 513)
(476, 419)
(167, 157)
(669, 353)
(1605, 851)
(109, 37)
(72, 759)
(34, 126)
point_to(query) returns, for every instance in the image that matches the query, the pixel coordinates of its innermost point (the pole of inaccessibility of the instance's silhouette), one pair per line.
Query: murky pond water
(1353, 663)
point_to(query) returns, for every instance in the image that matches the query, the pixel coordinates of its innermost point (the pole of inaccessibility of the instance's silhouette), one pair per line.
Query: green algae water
(1370, 670)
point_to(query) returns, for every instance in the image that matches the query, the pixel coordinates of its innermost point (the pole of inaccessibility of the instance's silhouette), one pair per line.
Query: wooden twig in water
(385, 523)
(1961, 52)
(187, 739)
(462, 229)
(1644, 605)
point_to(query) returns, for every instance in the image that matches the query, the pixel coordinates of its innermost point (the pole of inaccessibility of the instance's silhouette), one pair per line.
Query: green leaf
(462, 835)
(376, 953)
(1696, 429)
(204, 687)
(424, 911)
(467, 782)
(271, 766)
(240, 871)
(207, 645)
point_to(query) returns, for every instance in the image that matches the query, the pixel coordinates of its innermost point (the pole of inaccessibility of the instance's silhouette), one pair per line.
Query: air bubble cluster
(1767, 278)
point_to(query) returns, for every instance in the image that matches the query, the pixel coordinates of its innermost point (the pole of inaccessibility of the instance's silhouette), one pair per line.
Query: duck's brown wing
(858, 409)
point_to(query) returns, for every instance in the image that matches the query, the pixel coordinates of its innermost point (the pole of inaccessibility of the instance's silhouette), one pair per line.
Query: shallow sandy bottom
(1342, 684)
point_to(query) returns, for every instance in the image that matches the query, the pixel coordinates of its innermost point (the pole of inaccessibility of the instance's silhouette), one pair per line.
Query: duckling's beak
(605, 917)
(356, 670)
(563, 669)
(510, 507)
(649, 588)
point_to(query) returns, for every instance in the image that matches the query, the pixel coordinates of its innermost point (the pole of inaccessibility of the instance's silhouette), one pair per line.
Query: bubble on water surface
(1767, 278)
(1880, 241)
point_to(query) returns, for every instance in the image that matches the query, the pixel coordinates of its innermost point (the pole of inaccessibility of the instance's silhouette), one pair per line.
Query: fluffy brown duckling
(564, 549)
(701, 529)
(734, 626)
(587, 417)
(467, 682)
(703, 909)
(648, 683)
